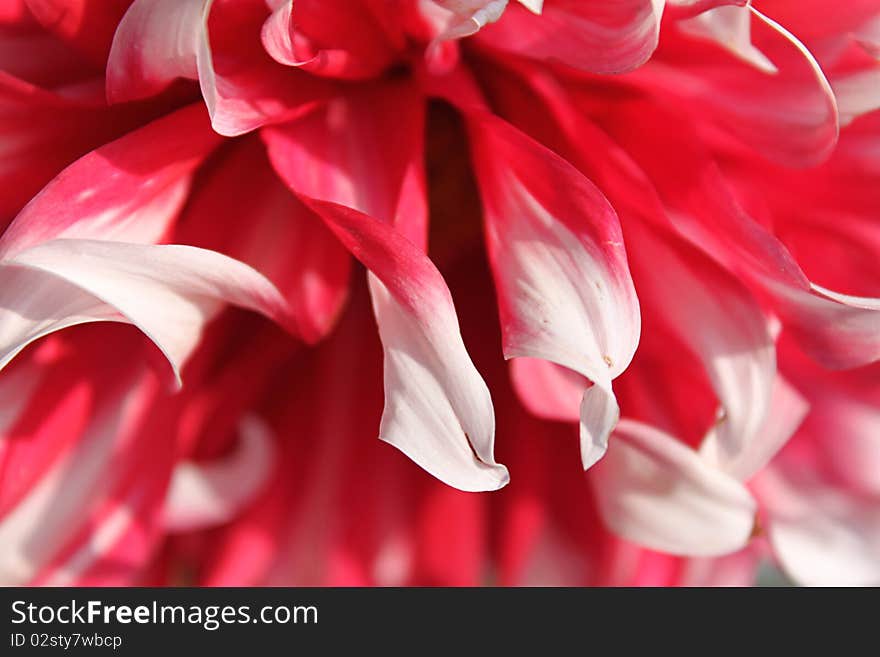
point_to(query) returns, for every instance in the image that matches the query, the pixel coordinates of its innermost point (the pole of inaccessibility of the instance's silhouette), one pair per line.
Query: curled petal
(799, 128)
(438, 410)
(565, 293)
(169, 292)
(370, 193)
(337, 38)
(156, 42)
(716, 318)
(592, 35)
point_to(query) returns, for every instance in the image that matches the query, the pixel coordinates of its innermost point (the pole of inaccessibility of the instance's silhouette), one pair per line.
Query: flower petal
(717, 319)
(592, 35)
(785, 413)
(821, 534)
(169, 292)
(565, 293)
(437, 408)
(655, 491)
(281, 239)
(799, 128)
(156, 42)
(128, 190)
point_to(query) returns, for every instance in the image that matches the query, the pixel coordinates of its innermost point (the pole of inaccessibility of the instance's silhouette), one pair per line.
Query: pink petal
(717, 319)
(42, 132)
(799, 128)
(838, 330)
(343, 153)
(548, 390)
(51, 512)
(657, 492)
(129, 190)
(565, 293)
(333, 38)
(243, 87)
(437, 408)
(592, 35)
(156, 42)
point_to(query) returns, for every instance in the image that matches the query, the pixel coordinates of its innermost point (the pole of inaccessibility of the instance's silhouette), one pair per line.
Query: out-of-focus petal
(822, 535)
(717, 318)
(838, 330)
(87, 25)
(548, 390)
(206, 494)
(655, 491)
(48, 520)
(786, 411)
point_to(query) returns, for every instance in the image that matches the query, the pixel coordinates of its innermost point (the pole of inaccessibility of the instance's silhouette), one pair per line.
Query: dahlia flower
(622, 254)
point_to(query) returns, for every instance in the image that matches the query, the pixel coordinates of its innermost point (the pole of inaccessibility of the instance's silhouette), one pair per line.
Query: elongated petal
(370, 192)
(341, 153)
(42, 132)
(565, 293)
(655, 491)
(438, 410)
(839, 331)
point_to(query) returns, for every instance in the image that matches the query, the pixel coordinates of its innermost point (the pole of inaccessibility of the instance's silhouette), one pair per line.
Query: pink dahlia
(327, 220)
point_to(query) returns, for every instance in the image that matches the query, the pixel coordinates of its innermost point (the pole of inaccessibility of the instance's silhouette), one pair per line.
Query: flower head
(327, 220)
